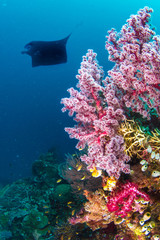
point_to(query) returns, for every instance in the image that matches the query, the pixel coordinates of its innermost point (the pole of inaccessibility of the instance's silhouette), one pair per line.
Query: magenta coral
(121, 202)
(136, 53)
(98, 114)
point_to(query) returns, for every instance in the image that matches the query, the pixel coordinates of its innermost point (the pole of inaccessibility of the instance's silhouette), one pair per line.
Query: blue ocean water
(31, 121)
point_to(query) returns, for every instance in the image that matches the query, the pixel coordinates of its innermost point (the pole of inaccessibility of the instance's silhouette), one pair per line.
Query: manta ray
(45, 53)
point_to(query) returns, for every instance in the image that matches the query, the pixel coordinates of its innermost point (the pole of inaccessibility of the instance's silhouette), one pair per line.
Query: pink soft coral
(98, 114)
(136, 53)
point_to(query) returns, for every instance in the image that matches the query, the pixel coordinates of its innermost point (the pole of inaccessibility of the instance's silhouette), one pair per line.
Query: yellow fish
(59, 180)
(79, 167)
(83, 177)
(73, 212)
(45, 206)
(96, 173)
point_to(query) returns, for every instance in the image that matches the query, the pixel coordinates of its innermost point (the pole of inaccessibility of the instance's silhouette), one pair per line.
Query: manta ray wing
(47, 52)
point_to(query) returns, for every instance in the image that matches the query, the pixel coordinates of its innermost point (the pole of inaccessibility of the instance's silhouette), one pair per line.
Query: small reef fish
(80, 149)
(95, 172)
(79, 167)
(73, 212)
(45, 206)
(59, 180)
(83, 177)
(78, 188)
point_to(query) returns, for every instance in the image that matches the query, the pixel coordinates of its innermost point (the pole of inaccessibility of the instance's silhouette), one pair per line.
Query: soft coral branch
(98, 115)
(136, 53)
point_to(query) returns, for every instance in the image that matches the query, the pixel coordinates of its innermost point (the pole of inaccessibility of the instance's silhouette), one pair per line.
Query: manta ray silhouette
(47, 52)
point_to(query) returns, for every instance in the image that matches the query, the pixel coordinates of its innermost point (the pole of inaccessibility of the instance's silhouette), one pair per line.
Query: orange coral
(95, 213)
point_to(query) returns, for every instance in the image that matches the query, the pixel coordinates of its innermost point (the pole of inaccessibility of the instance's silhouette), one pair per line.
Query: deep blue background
(31, 121)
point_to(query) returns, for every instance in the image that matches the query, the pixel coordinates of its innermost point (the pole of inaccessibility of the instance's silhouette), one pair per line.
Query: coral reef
(111, 189)
(118, 120)
(31, 208)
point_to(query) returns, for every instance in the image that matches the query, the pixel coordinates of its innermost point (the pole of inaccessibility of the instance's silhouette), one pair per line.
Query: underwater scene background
(106, 185)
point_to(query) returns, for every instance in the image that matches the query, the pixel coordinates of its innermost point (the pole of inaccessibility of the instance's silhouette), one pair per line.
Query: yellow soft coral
(134, 137)
(154, 145)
